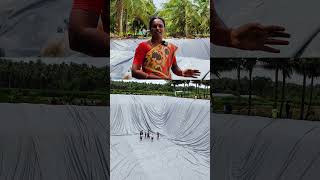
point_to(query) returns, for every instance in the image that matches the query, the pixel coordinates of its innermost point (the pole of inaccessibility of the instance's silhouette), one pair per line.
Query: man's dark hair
(156, 17)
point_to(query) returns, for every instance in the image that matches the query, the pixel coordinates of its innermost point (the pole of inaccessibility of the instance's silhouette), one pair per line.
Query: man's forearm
(221, 33)
(177, 71)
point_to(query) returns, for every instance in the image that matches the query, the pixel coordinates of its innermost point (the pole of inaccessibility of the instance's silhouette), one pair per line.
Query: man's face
(157, 28)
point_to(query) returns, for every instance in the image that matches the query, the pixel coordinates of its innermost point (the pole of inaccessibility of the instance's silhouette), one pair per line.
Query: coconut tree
(312, 72)
(206, 84)
(300, 68)
(286, 68)
(274, 64)
(186, 17)
(126, 11)
(248, 65)
(238, 65)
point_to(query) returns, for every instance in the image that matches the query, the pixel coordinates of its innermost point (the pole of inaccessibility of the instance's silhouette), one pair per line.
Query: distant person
(84, 35)
(154, 58)
(158, 135)
(151, 138)
(251, 36)
(145, 135)
(288, 110)
(140, 138)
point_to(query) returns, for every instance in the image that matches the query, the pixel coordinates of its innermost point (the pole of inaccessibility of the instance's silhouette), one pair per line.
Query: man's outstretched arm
(251, 36)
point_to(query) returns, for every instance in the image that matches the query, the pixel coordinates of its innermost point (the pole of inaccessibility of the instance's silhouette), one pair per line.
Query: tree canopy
(184, 18)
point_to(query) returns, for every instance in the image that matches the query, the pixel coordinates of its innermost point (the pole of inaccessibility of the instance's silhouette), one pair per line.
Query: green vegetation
(264, 94)
(37, 82)
(184, 18)
(168, 89)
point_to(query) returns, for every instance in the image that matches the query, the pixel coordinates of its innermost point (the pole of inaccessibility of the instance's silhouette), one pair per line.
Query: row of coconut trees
(308, 68)
(183, 17)
(198, 84)
(63, 77)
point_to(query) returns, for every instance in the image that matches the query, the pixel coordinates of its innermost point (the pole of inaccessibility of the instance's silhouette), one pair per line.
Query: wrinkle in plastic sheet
(54, 142)
(248, 147)
(182, 150)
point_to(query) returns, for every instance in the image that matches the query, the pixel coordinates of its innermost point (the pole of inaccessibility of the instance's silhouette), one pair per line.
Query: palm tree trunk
(119, 16)
(198, 94)
(303, 94)
(196, 88)
(239, 85)
(282, 92)
(250, 91)
(206, 91)
(184, 88)
(186, 28)
(125, 31)
(311, 91)
(211, 97)
(9, 81)
(276, 88)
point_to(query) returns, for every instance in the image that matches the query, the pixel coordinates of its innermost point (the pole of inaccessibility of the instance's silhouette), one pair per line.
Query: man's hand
(254, 36)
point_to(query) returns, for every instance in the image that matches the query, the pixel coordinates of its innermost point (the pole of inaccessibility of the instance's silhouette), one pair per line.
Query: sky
(158, 3)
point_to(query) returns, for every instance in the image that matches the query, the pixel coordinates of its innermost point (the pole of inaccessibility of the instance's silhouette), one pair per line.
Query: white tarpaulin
(49, 142)
(191, 53)
(300, 18)
(28, 26)
(181, 152)
(250, 148)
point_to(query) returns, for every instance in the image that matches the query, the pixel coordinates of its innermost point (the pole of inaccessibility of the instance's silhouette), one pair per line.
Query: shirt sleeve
(140, 54)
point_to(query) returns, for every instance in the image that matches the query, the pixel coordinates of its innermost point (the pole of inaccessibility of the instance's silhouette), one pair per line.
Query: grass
(261, 107)
(37, 96)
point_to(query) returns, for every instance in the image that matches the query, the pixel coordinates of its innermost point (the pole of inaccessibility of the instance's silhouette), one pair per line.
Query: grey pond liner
(28, 26)
(46, 142)
(259, 148)
(300, 18)
(182, 151)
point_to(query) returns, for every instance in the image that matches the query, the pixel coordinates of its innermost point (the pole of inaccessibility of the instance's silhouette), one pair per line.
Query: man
(251, 36)
(84, 35)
